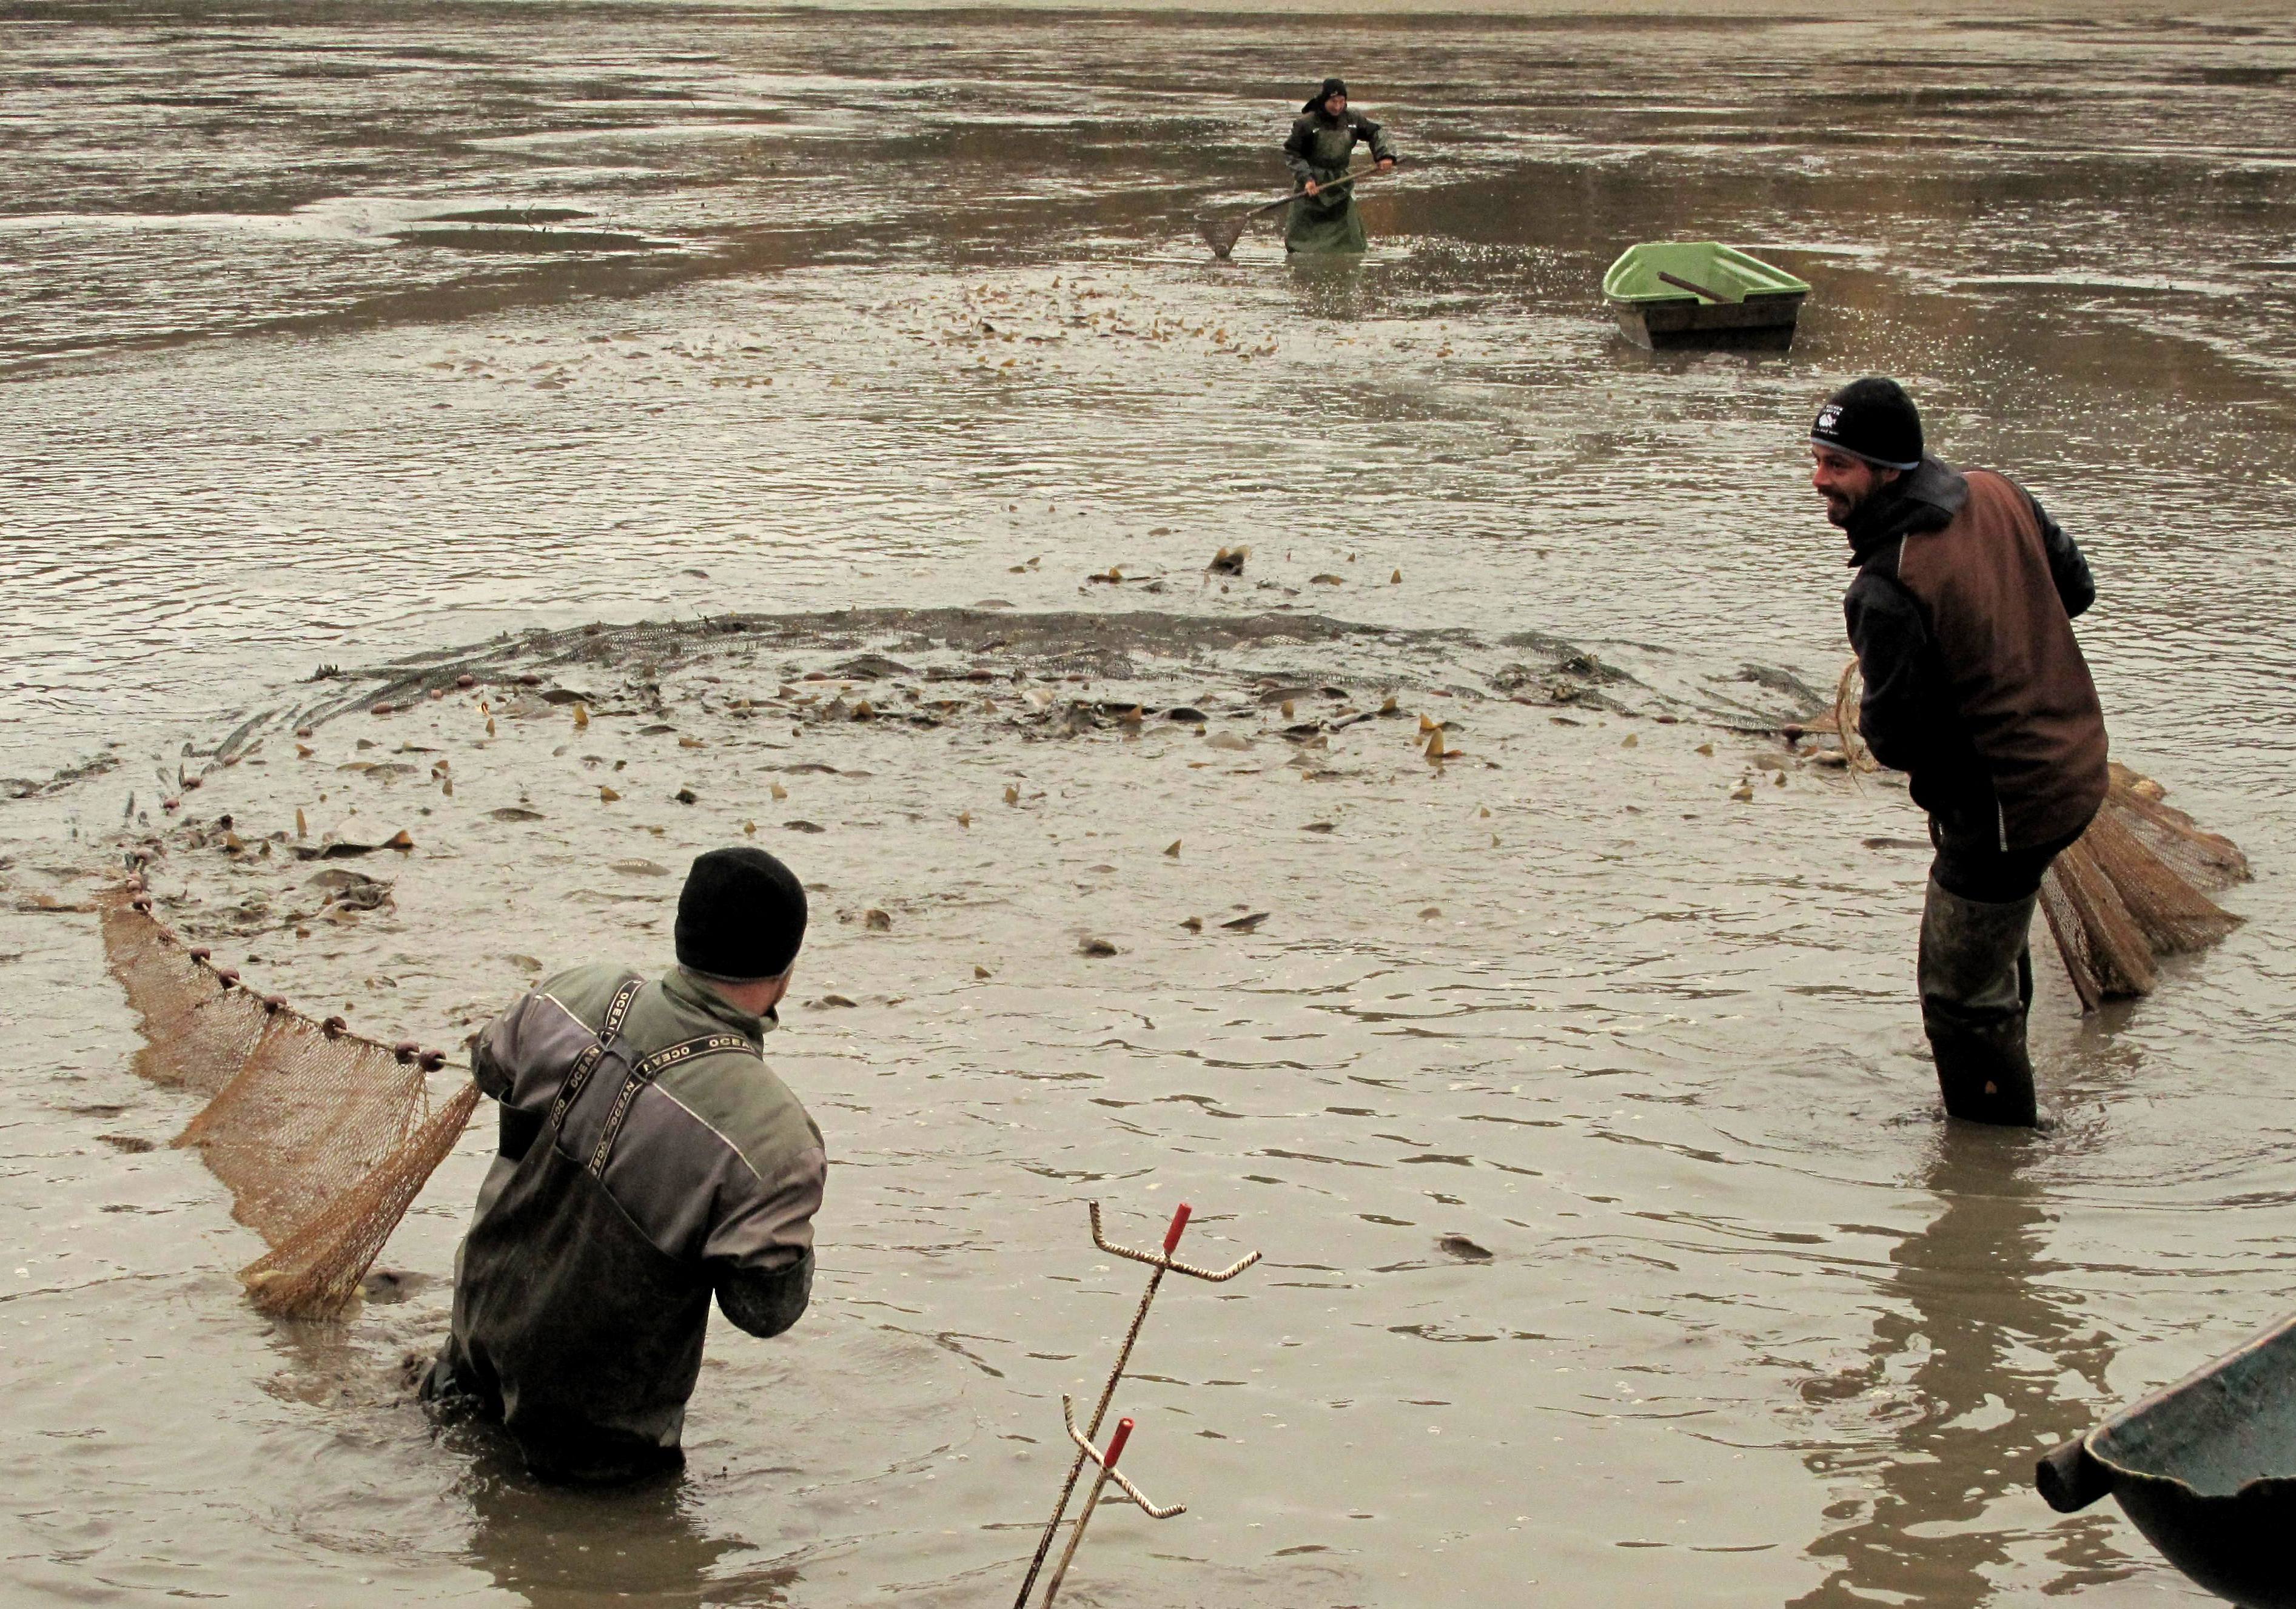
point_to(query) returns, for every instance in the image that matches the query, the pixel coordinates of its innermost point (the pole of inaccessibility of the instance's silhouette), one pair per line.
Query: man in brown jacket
(1962, 615)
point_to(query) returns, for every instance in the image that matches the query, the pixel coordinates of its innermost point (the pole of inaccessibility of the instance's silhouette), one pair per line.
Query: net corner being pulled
(323, 1137)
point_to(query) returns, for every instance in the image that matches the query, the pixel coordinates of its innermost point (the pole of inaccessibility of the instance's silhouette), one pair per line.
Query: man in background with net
(1323, 140)
(648, 1159)
(1962, 615)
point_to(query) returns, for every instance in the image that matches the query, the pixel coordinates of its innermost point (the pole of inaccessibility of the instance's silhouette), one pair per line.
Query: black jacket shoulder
(2068, 565)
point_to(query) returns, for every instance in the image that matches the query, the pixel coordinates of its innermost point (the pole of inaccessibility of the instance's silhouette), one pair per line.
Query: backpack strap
(610, 1029)
(643, 1073)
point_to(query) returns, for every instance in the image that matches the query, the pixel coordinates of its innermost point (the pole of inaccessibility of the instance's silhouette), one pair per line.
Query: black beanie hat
(1331, 86)
(741, 917)
(1874, 419)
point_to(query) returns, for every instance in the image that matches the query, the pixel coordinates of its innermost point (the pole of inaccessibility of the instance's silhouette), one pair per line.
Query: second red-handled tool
(1159, 1260)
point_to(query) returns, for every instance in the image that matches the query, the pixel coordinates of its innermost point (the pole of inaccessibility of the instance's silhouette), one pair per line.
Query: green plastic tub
(1739, 301)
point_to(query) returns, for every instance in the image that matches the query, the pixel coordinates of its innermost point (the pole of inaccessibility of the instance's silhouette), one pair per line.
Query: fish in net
(323, 1138)
(2133, 888)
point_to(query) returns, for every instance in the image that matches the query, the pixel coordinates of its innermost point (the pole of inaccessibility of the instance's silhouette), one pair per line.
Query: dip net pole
(1222, 234)
(323, 1137)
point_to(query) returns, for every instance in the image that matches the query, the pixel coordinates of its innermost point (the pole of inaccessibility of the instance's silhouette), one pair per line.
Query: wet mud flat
(1570, 1085)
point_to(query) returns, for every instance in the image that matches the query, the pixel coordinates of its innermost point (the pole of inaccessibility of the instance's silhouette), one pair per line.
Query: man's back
(648, 1158)
(1961, 613)
(2017, 678)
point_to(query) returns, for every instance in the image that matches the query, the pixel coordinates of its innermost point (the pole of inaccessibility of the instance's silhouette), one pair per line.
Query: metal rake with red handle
(1161, 1261)
(1108, 1472)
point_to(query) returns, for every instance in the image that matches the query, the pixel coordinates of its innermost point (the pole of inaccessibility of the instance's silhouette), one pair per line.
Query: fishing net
(2130, 892)
(1841, 721)
(2205, 860)
(323, 1138)
(198, 1026)
(2106, 953)
(313, 1271)
(1221, 233)
(2135, 887)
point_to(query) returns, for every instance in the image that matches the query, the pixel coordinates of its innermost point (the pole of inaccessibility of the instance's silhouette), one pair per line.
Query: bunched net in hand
(313, 1271)
(323, 1138)
(2133, 888)
(2130, 892)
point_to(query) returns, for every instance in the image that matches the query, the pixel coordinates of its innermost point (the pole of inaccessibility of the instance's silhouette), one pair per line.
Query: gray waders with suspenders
(584, 1335)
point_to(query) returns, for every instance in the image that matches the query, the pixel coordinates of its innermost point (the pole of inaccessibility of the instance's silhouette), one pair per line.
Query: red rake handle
(1179, 1227)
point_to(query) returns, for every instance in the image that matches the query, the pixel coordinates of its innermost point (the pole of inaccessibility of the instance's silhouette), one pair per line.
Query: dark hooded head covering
(1874, 419)
(741, 917)
(1331, 86)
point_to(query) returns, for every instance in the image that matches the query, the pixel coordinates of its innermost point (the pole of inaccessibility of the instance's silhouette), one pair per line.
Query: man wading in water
(1322, 139)
(648, 1158)
(1962, 615)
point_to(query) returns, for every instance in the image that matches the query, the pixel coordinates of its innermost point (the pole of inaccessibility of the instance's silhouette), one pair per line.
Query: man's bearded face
(1845, 481)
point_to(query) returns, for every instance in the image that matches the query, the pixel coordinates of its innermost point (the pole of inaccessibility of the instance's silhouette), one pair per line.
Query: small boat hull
(2206, 1470)
(2239, 1547)
(1740, 302)
(1760, 324)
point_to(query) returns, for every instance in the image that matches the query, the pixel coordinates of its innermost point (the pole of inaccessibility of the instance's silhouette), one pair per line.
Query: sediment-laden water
(1614, 1249)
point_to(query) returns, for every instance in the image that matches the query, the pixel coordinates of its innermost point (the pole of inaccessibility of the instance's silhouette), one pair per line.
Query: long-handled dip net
(323, 1138)
(2134, 888)
(1221, 233)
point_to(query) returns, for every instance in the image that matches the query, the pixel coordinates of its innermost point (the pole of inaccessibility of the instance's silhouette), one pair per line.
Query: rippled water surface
(330, 336)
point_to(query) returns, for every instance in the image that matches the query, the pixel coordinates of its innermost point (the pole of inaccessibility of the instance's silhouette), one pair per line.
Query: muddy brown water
(331, 337)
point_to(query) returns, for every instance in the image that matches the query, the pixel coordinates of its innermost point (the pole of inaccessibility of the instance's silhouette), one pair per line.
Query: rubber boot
(1975, 976)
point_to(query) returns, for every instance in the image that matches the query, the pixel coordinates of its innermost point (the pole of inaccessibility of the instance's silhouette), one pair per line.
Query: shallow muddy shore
(1615, 1251)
